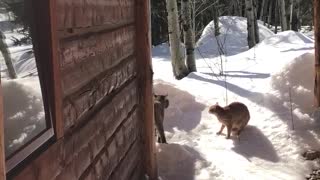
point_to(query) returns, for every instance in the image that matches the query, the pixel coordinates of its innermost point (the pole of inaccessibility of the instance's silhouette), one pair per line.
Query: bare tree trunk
(276, 17)
(262, 10)
(250, 23)
(193, 11)
(178, 66)
(284, 25)
(239, 7)
(189, 39)
(7, 58)
(291, 13)
(298, 16)
(316, 19)
(243, 7)
(216, 21)
(270, 13)
(256, 27)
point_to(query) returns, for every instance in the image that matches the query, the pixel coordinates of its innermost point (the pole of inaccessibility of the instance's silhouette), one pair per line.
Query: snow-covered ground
(269, 78)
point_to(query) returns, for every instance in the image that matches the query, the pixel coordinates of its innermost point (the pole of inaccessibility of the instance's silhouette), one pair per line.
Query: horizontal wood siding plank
(64, 34)
(84, 13)
(105, 121)
(128, 163)
(77, 105)
(47, 166)
(119, 148)
(83, 59)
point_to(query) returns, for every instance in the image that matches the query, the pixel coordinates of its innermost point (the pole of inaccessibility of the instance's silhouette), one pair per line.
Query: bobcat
(235, 116)
(160, 104)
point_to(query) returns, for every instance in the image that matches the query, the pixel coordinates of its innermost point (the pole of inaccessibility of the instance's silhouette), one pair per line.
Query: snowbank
(306, 30)
(286, 37)
(296, 77)
(233, 36)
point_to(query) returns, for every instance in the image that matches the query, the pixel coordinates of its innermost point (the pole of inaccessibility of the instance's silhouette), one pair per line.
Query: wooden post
(45, 32)
(143, 55)
(316, 18)
(56, 78)
(2, 156)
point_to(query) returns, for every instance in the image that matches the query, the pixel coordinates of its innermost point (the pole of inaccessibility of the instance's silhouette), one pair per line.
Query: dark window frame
(45, 50)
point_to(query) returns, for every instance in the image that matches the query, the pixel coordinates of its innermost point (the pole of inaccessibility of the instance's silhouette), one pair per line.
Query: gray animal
(160, 104)
(235, 117)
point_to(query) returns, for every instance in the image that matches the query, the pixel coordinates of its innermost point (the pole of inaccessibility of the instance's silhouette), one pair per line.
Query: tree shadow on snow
(242, 74)
(276, 105)
(161, 51)
(179, 162)
(184, 112)
(298, 49)
(253, 143)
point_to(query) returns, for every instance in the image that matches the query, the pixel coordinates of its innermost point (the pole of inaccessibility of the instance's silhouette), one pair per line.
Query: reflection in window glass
(24, 116)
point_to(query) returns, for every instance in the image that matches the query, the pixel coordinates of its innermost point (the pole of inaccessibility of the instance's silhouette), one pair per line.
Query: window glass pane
(24, 117)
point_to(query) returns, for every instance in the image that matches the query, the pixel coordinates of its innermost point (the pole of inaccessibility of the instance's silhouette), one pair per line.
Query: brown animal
(235, 117)
(160, 104)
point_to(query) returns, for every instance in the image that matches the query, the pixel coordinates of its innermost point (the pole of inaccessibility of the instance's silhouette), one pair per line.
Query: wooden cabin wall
(101, 122)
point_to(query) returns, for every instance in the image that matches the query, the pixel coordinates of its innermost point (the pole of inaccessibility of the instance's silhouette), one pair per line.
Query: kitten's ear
(217, 103)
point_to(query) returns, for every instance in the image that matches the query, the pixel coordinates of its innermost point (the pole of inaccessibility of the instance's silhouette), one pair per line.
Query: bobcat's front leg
(229, 129)
(221, 129)
(162, 136)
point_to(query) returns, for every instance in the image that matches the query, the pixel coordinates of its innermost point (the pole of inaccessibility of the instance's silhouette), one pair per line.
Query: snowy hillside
(262, 78)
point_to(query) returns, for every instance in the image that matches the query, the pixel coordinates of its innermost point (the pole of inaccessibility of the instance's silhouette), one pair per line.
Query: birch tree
(250, 23)
(177, 59)
(294, 15)
(291, 13)
(189, 39)
(284, 25)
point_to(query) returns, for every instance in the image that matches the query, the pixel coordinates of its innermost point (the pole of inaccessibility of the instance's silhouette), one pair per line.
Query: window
(26, 95)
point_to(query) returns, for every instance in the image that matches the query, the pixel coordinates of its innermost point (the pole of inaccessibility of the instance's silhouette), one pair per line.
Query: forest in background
(297, 13)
